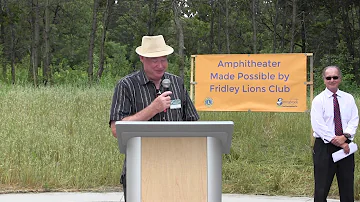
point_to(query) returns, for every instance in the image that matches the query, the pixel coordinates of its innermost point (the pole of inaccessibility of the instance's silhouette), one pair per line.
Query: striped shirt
(135, 92)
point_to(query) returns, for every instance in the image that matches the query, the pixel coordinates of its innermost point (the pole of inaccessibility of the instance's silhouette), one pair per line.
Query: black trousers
(325, 169)
(123, 178)
(123, 182)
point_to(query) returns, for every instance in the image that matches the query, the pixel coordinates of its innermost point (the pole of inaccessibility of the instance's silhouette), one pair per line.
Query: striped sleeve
(190, 113)
(120, 107)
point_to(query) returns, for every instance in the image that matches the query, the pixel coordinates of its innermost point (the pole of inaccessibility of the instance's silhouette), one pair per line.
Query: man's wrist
(347, 135)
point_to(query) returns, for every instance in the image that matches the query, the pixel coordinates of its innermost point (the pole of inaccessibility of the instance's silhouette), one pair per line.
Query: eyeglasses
(331, 77)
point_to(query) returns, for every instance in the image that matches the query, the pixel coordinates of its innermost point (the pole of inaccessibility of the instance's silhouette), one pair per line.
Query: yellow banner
(255, 82)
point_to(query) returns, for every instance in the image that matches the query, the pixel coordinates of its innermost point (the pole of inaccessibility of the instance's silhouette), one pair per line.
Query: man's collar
(330, 94)
(143, 79)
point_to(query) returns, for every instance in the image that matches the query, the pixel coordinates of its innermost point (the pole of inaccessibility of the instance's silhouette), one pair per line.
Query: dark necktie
(337, 117)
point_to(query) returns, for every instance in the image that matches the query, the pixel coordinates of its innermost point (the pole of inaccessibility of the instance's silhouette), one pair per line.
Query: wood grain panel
(173, 169)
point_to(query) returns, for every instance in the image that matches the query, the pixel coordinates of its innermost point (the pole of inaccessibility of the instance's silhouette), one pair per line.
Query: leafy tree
(46, 41)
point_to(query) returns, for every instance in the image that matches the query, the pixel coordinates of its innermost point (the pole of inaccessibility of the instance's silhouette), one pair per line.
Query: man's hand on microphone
(162, 102)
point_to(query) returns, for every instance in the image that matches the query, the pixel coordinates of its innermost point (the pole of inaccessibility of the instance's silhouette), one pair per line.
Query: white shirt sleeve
(318, 122)
(353, 121)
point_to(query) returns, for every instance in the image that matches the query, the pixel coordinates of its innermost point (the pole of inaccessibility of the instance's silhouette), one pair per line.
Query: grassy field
(58, 139)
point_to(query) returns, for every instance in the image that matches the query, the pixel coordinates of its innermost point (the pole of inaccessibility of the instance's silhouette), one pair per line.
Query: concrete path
(117, 196)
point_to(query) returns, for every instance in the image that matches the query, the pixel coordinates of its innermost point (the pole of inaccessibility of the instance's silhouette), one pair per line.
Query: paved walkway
(116, 196)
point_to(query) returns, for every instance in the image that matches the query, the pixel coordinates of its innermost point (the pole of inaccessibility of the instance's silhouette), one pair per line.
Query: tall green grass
(270, 153)
(58, 138)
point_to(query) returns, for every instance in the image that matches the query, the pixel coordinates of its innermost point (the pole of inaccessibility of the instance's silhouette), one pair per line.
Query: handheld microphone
(166, 85)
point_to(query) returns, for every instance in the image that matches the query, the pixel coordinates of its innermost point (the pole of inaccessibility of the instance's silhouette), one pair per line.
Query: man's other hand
(346, 148)
(338, 140)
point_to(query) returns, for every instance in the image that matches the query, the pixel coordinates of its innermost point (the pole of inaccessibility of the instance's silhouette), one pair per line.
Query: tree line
(49, 42)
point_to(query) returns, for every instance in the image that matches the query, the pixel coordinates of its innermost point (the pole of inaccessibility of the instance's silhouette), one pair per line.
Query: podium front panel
(133, 169)
(214, 165)
(174, 169)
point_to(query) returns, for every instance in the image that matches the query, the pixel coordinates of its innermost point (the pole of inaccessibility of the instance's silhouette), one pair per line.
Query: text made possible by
(242, 76)
(249, 89)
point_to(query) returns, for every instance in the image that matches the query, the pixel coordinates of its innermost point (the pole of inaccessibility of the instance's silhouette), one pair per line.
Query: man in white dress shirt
(334, 120)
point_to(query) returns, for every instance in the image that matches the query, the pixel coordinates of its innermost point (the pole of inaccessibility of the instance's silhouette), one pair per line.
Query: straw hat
(153, 46)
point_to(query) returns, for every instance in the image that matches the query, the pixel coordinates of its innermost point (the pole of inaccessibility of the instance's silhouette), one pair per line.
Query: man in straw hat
(151, 94)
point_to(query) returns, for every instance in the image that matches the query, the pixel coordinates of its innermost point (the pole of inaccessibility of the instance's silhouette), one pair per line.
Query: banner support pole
(192, 83)
(311, 86)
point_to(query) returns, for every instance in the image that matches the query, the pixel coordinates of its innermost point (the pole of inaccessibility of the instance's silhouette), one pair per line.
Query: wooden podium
(174, 161)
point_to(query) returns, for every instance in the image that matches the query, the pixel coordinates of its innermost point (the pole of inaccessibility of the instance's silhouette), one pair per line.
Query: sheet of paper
(341, 154)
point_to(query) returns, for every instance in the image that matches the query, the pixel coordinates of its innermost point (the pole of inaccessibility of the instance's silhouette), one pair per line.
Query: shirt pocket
(345, 113)
(328, 114)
